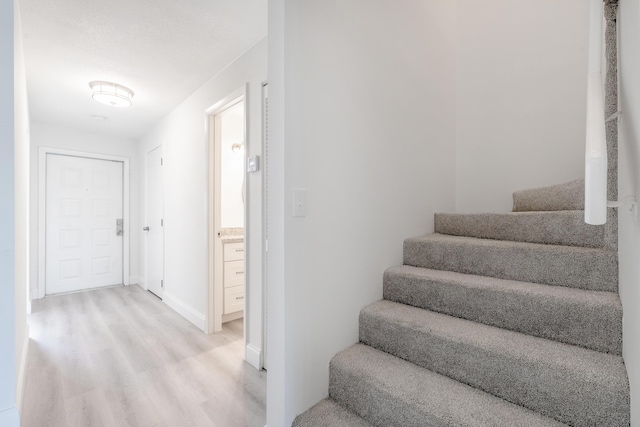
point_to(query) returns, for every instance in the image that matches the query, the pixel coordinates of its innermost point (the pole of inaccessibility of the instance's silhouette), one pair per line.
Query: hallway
(120, 357)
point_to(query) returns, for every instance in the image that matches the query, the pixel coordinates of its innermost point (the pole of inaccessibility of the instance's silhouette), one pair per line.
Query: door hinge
(162, 284)
(161, 161)
(162, 223)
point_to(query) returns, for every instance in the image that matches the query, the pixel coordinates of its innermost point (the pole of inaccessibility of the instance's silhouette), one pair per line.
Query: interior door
(154, 228)
(83, 228)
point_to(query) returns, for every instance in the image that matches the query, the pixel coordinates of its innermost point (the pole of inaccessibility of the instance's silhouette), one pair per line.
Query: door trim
(42, 187)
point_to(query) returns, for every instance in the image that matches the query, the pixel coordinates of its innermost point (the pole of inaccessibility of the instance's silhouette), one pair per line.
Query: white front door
(154, 226)
(84, 213)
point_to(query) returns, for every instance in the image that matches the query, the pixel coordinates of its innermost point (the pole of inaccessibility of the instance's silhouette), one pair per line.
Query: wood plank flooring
(120, 357)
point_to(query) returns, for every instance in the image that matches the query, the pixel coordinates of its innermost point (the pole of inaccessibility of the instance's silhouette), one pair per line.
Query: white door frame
(214, 299)
(42, 186)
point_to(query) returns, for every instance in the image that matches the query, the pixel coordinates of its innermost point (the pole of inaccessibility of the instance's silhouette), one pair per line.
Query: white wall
(21, 142)
(364, 121)
(9, 415)
(182, 133)
(278, 384)
(521, 97)
(50, 136)
(629, 184)
(232, 167)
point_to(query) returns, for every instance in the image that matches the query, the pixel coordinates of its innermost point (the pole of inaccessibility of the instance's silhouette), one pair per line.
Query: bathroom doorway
(227, 261)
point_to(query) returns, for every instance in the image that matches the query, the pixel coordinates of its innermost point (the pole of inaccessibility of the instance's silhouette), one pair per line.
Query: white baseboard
(10, 417)
(253, 356)
(142, 283)
(185, 310)
(133, 280)
(22, 371)
(232, 316)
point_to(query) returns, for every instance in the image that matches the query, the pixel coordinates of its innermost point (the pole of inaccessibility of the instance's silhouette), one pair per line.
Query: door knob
(145, 229)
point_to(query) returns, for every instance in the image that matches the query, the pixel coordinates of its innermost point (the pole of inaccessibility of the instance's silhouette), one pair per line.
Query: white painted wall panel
(21, 123)
(8, 410)
(521, 98)
(363, 119)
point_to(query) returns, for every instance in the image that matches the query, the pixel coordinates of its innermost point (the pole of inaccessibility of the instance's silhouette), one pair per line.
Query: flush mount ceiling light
(111, 94)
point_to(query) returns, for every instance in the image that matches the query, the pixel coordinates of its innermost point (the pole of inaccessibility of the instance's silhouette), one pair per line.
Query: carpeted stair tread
(571, 384)
(554, 228)
(584, 268)
(592, 319)
(390, 392)
(567, 196)
(327, 413)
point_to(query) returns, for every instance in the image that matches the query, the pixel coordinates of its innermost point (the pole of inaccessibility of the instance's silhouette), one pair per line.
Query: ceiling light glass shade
(111, 94)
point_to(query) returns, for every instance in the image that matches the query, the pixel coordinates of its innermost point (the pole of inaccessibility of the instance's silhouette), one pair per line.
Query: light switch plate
(299, 202)
(253, 164)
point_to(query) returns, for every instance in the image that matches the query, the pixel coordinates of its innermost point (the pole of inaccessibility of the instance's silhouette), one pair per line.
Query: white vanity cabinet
(233, 277)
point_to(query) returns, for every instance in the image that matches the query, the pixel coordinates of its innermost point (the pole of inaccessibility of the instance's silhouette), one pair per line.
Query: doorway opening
(227, 193)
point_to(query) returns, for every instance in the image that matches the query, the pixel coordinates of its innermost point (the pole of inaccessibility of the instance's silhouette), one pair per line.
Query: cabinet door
(233, 273)
(233, 251)
(233, 299)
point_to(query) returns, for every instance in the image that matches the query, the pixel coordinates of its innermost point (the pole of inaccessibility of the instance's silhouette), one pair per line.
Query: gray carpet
(568, 383)
(563, 197)
(388, 391)
(590, 319)
(328, 413)
(611, 107)
(552, 228)
(584, 268)
(495, 320)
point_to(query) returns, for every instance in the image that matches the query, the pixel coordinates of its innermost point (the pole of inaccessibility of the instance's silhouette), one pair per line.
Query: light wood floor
(120, 357)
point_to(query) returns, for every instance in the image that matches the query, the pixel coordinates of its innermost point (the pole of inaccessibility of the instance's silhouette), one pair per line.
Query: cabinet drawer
(233, 273)
(233, 299)
(233, 251)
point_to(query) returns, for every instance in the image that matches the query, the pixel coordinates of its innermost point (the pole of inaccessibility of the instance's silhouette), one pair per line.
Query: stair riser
(552, 228)
(554, 265)
(595, 325)
(327, 413)
(540, 385)
(567, 196)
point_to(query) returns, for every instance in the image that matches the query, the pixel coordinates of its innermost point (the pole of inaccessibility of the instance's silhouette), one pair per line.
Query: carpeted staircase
(495, 320)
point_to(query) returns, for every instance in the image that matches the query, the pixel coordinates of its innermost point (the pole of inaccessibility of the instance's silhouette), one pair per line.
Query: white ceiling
(161, 49)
